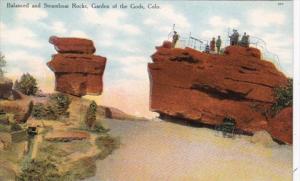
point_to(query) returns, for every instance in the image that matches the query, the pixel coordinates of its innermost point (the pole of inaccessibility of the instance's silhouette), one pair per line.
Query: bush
(39, 170)
(284, 96)
(107, 144)
(27, 84)
(56, 107)
(90, 117)
(39, 111)
(60, 104)
(15, 127)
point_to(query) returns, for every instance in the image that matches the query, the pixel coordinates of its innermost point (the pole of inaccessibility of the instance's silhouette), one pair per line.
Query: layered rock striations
(206, 88)
(77, 71)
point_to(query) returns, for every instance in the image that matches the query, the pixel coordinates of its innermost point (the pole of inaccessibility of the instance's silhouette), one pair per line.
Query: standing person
(212, 44)
(218, 44)
(234, 37)
(175, 38)
(206, 48)
(245, 40)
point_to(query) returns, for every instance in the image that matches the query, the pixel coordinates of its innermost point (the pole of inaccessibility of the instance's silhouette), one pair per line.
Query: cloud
(58, 27)
(19, 36)
(78, 33)
(220, 22)
(28, 61)
(164, 18)
(20, 61)
(134, 66)
(111, 19)
(265, 18)
(31, 14)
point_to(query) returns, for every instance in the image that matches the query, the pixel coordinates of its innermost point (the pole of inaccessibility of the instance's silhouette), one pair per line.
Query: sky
(127, 37)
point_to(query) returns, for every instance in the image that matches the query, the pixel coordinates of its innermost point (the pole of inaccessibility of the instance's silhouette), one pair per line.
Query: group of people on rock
(234, 40)
(211, 47)
(213, 44)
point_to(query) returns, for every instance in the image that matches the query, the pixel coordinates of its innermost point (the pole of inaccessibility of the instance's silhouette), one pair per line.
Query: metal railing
(199, 44)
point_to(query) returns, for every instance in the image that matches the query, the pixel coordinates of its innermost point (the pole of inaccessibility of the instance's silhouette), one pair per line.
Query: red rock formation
(202, 87)
(281, 126)
(77, 74)
(5, 88)
(20, 108)
(72, 45)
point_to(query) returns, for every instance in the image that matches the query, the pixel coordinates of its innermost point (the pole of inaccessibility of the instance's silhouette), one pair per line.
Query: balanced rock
(72, 45)
(206, 88)
(78, 74)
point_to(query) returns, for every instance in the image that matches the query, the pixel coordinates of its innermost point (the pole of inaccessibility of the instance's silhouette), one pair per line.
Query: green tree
(284, 96)
(27, 84)
(60, 103)
(90, 117)
(2, 64)
(56, 107)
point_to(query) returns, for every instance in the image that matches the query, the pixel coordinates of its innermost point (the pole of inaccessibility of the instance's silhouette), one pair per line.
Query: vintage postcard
(101, 90)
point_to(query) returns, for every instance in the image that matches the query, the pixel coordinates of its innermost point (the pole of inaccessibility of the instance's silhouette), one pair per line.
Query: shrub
(107, 144)
(2, 64)
(39, 111)
(90, 117)
(56, 107)
(15, 127)
(60, 104)
(284, 96)
(39, 170)
(27, 84)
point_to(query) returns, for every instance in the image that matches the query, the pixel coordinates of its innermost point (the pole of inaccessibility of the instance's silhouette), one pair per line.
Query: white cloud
(220, 22)
(134, 66)
(31, 14)
(78, 33)
(19, 62)
(58, 27)
(115, 20)
(164, 19)
(19, 36)
(265, 18)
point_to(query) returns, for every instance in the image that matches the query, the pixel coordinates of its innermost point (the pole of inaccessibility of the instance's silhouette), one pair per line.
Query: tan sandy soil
(163, 151)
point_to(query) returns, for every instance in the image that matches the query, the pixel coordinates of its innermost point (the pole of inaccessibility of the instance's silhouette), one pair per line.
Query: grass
(107, 144)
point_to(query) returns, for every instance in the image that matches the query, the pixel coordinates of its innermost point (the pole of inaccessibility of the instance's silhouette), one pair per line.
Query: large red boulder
(281, 126)
(78, 74)
(206, 88)
(72, 45)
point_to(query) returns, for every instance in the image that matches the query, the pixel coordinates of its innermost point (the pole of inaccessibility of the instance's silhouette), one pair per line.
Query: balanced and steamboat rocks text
(84, 5)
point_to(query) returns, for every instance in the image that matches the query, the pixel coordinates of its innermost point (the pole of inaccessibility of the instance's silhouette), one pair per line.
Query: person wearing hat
(218, 44)
(175, 38)
(234, 38)
(213, 45)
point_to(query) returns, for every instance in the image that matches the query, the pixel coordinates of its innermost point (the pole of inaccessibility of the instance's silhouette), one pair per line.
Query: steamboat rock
(206, 88)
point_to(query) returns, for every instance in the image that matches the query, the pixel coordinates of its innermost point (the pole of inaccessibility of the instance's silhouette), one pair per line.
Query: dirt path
(163, 151)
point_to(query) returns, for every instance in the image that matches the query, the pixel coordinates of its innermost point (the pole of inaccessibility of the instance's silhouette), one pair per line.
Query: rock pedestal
(206, 88)
(77, 71)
